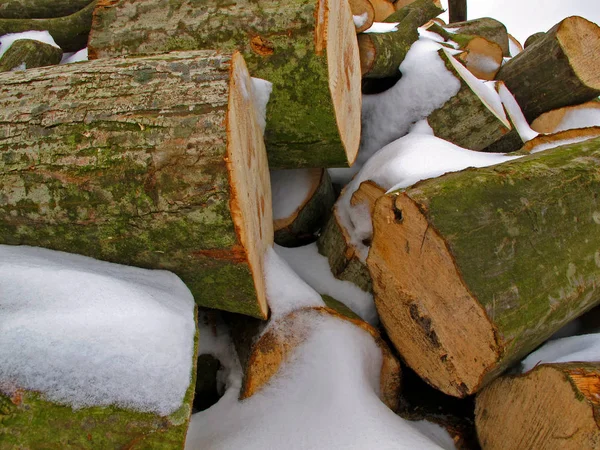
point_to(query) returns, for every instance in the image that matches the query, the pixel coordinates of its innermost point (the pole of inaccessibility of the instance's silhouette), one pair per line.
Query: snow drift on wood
(92, 333)
(584, 348)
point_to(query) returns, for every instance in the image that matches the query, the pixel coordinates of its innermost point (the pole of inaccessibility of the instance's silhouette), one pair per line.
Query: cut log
(473, 270)
(533, 38)
(298, 223)
(383, 9)
(560, 69)
(471, 119)
(40, 9)
(307, 49)
(31, 53)
(547, 141)
(363, 14)
(155, 162)
(457, 10)
(382, 53)
(554, 406)
(556, 120)
(69, 32)
(485, 27)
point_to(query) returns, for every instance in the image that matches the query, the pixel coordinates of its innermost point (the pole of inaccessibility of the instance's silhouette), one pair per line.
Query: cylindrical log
(553, 407)
(155, 162)
(40, 9)
(363, 14)
(307, 49)
(485, 27)
(562, 118)
(559, 70)
(383, 9)
(298, 223)
(29, 53)
(533, 38)
(473, 270)
(69, 32)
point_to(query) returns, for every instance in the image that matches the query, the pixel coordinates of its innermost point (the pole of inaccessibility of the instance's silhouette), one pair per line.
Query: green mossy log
(156, 162)
(559, 69)
(473, 270)
(306, 48)
(553, 406)
(31, 53)
(39, 9)
(485, 27)
(69, 32)
(28, 421)
(382, 53)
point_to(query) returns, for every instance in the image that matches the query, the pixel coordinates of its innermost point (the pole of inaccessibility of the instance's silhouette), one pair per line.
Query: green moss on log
(31, 53)
(39, 9)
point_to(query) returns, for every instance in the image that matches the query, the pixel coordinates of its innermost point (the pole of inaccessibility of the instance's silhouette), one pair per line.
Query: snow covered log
(560, 69)
(363, 14)
(553, 406)
(578, 116)
(299, 215)
(474, 269)
(307, 49)
(155, 162)
(485, 27)
(29, 53)
(40, 9)
(70, 32)
(473, 118)
(382, 53)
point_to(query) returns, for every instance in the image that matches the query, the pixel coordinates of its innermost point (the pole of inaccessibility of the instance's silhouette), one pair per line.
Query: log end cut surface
(580, 40)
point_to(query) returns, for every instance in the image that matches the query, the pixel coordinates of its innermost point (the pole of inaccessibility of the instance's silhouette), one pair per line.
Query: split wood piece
(457, 10)
(40, 9)
(156, 162)
(551, 120)
(31, 53)
(334, 242)
(473, 270)
(533, 38)
(383, 9)
(485, 27)
(482, 57)
(69, 32)
(306, 48)
(362, 13)
(300, 226)
(278, 342)
(553, 406)
(514, 43)
(561, 138)
(382, 53)
(468, 119)
(560, 69)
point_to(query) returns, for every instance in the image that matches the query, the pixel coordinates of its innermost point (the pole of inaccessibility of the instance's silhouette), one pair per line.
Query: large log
(306, 48)
(40, 9)
(156, 162)
(554, 407)
(559, 69)
(474, 269)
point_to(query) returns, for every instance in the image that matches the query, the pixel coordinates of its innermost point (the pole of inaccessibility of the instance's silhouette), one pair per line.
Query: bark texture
(155, 162)
(533, 38)
(306, 48)
(473, 270)
(39, 9)
(31, 53)
(560, 69)
(553, 406)
(457, 10)
(488, 28)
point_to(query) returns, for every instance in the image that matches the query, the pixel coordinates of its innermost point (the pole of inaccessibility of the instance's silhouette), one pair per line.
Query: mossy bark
(289, 44)
(69, 32)
(31, 53)
(126, 160)
(473, 270)
(39, 9)
(485, 27)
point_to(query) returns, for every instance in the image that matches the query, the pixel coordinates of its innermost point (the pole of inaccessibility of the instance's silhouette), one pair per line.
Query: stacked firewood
(158, 153)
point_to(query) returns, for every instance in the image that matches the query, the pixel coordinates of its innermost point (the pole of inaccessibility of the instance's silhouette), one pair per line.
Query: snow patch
(289, 190)
(559, 143)
(516, 115)
(579, 118)
(262, 92)
(359, 21)
(73, 57)
(382, 27)
(42, 36)
(19, 68)
(584, 348)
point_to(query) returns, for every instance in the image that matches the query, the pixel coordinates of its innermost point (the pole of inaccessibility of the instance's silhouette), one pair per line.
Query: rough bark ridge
(161, 167)
(473, 270)
(306, 48)
(31, 53)
(39, 9)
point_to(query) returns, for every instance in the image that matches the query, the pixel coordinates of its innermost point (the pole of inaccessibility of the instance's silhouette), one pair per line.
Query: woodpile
(198, 138)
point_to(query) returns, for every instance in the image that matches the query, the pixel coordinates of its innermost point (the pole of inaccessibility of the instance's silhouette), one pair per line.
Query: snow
(19, 68)
(290, 189)
(584, 348)
(360, 20)
(73, 57)
(516, 115)
(513, 48)
(324, 397)
(314, 269)
(579, 118)
(92, 333)
(401, 164)
(7, 40)
(484, 63)
(559, 143)
(382, 27)
(262, 91)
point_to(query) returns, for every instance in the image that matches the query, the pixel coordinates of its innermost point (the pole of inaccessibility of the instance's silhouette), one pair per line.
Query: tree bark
(553, 406)
(382, 53)
(533, 38)
(559, 70)
(551, 120)
(473, 270)
(485, 27)
(362, 10)
(155, 162)
(31, 53)
(70, 32)
(300, 227)
(307, 49)
(39, 9)
(457, 10)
